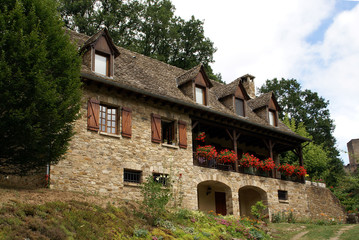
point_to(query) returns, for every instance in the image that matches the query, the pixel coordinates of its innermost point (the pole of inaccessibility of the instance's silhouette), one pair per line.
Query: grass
(286, 231)
(82, 220)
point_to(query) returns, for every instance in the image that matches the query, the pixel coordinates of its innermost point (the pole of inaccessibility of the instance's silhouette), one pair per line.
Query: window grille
(132, 176)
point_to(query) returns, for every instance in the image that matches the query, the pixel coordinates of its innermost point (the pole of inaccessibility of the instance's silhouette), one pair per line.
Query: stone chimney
(248, 83)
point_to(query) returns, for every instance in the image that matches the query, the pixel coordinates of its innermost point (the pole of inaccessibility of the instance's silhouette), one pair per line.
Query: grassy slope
(81, 220)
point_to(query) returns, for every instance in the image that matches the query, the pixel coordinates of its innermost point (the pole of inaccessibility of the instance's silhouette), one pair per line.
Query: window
(132, 176)
(168, 131)
(282, 195)
(161, 178)
(200, 95)
(108, 119)
(239, 107)
(272, 118)
(102, 64)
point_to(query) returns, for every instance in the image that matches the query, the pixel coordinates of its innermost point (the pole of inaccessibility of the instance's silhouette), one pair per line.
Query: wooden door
(220, 200)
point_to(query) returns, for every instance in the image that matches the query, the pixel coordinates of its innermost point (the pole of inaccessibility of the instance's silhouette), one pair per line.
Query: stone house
(140, 117)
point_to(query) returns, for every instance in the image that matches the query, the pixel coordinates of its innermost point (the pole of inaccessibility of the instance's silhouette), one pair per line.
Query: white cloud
(268, 39)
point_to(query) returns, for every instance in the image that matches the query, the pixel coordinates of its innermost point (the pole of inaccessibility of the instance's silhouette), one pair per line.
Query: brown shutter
(93, 114)
(182, 134)
(156, 128)
(126, 122)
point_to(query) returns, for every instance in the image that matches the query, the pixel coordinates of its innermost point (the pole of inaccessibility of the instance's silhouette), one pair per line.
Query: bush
(155, 198)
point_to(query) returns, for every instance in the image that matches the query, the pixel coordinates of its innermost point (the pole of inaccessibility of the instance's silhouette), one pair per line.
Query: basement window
(161, 178)
(282, 195)
(132, 176)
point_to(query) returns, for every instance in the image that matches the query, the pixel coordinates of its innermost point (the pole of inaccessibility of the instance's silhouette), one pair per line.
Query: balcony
(230, 167)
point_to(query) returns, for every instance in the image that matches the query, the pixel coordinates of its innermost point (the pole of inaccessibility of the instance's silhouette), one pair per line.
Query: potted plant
(227, 158)
(205, 154)
(300, 172)
(249, 162)
(266, 166)
(286, 170)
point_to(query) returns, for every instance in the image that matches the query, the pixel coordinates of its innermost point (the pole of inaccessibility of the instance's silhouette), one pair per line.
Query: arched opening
(214, 196)
(248, 196)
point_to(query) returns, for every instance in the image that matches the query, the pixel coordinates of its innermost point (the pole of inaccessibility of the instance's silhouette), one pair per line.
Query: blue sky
(313, 41)
(340, 6)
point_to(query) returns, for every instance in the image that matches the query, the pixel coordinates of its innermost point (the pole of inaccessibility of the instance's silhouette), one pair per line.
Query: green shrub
(155, 198)
(258, 209)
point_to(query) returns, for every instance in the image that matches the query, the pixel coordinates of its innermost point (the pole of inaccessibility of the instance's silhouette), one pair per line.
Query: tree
(315, 157)
(307, 107)
(149, 27)
(39, 86)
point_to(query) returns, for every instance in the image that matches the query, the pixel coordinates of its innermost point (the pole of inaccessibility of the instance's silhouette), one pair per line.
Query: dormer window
(102, 62)
(239, 106)
(272, 118)
(200, 95)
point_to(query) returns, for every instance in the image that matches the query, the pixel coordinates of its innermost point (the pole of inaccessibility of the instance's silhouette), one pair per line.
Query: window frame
(162, 178)
(172, 124)
(275, 122)
(282, 195)
(108, 57)
(204, 97)
(243, 106)
(136, 176)
(105, 125)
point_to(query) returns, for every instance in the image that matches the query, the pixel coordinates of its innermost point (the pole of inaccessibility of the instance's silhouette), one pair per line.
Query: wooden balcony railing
(250, 171)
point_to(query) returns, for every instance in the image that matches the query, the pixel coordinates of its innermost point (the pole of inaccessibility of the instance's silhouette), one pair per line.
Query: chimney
(248, 83)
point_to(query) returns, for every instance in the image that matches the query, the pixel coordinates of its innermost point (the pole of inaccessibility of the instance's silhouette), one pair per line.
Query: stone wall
(35, 180)
(95, 163)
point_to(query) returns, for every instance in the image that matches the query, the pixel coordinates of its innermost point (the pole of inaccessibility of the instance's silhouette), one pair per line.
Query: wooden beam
(194, 124)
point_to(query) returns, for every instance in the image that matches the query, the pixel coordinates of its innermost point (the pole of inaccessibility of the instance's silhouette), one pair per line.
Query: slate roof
(261, 101)
(140, 72)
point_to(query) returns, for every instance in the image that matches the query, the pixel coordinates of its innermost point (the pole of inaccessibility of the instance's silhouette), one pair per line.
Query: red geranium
(300, 171)
(201, 136)
(287, 169)
(208, 152)
(249, 161)
(267, 165)
(226, 156)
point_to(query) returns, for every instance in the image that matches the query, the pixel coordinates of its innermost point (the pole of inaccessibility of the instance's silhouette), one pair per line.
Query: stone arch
(248, 196)
(214, 196)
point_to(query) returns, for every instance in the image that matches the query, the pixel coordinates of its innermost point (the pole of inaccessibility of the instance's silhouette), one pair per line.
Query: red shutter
(126, 122)
(93, 114)
(156, 128)
(182, 134)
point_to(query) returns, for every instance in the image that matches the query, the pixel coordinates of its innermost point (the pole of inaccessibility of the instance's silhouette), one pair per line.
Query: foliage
(208, 152)
(149, 27)
(287, 169)
(248, 160)
(155, 198)
(39, 86)
(201, 137)
(80, 220)
(258, 210)
(305, 106)
(226, 156)
(347, 192)
(267, 165)
(316, 160)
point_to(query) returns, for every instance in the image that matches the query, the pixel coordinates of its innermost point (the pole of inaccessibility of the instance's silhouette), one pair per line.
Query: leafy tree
(347, 192)
(39, 86)
(307, 107)
(149, 27)
(316, 159)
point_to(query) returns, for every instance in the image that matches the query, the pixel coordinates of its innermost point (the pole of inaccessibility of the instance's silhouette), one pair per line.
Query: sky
(313, 41)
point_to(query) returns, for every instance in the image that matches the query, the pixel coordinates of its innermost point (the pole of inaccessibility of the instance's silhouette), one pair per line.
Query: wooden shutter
(93, 114)
(126, 122)
(156, 128)
(182, 134)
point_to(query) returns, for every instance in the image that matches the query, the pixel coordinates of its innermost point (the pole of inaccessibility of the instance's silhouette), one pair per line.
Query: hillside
(49, 214)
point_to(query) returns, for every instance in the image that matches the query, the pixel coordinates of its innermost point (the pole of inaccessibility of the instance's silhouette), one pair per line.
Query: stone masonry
(95, 162)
